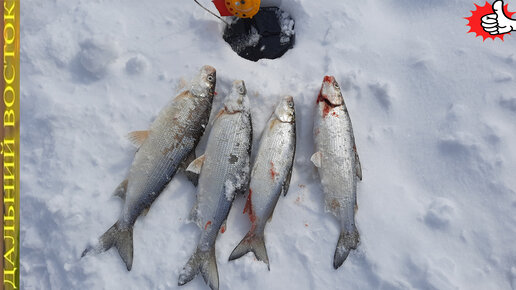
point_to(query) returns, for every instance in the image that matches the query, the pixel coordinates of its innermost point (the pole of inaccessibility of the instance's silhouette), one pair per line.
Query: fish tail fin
(204, 262)
(121, 239)
(252, 242)
(347, 241)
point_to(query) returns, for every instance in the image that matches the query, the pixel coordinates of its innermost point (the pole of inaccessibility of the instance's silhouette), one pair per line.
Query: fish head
(285, 111)
(203, 84)
(330, 92)
(236, 100)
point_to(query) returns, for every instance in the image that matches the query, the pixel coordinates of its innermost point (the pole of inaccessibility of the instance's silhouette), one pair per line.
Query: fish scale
(269, 178)
(171, 139)
(338, 164)
(224, 171)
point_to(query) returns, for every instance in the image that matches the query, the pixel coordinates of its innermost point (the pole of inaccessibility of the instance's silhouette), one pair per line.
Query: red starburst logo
(475, 20)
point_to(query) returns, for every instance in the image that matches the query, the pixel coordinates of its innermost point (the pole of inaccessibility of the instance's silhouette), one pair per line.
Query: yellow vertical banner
(11, 144)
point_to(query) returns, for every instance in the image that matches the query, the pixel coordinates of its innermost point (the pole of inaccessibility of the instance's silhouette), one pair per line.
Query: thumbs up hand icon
(498, 22)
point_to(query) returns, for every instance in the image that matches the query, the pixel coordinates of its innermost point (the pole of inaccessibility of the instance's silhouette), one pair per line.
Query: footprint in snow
(381, 92)
(439, 213)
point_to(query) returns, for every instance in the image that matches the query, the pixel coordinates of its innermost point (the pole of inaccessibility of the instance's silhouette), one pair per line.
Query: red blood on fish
(320, 97)
(328, 79)
(252, 219)
(207, 224)
(273, 173)
(249, 209)
(223, 229)
(326, 110)
(248, 204)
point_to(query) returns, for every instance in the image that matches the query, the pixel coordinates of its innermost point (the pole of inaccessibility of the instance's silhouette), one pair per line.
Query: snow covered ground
(434, 115)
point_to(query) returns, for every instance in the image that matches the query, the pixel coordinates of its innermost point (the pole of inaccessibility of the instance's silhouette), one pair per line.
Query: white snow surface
(433, 110)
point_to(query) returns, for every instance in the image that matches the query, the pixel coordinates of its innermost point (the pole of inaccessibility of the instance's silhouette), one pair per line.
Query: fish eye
(336, 85)
(210, 78)
(241, 90)
(290, 105)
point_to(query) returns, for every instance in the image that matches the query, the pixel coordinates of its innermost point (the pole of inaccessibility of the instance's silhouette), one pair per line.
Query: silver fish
(224, 171)
(270, 177)
(337, 161)
(171, 138)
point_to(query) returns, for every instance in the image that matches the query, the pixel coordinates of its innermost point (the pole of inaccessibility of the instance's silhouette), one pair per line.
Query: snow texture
(433, 110)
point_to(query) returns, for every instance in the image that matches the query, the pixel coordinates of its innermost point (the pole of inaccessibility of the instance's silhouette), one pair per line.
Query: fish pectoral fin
(358, 166)
(121, 189)
(192, 176)
(188, 160)
(138, 137)
(316, 159)
(196, 165)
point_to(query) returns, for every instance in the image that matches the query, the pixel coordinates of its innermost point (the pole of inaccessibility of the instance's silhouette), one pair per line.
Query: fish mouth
(329, 79)
(285, 111)
(330, 92)
(323, 98)
(329, 103)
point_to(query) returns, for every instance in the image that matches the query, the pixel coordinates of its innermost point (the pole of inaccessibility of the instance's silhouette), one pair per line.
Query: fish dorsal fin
(138, 137)
(121, 189)
(145, 211)
(286, 184)
(316, 158)
(358, 166)
(196, 165)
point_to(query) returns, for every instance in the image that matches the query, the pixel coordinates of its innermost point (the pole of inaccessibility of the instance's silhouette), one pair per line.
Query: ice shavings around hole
(250, 40)
(287, 27)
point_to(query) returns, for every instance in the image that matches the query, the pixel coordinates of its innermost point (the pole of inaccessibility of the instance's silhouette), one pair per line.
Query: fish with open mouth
(170, 140)
(224, 172)
(270, 177)
(337, 162)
